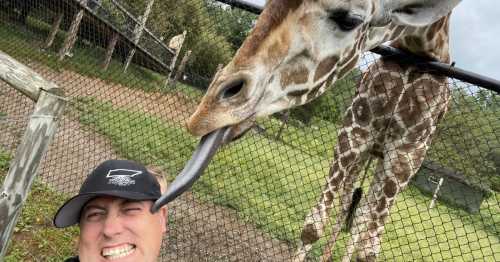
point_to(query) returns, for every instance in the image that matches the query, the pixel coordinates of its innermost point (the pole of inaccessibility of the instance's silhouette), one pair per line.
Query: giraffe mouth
(206, 149)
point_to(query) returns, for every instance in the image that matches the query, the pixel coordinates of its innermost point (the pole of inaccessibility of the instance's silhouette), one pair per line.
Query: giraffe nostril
(232, 89)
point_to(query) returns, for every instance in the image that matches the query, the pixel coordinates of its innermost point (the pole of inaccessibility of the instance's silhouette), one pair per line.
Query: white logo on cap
(122, 177)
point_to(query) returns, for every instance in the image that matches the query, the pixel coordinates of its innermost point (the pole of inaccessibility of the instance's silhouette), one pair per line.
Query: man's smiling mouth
(118, 252)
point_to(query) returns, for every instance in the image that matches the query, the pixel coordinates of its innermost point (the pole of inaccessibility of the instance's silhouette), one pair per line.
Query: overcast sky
(475, 36)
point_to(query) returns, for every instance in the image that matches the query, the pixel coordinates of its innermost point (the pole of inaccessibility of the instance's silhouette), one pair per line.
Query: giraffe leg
(338, 183)
(319, 215)
(392, 176)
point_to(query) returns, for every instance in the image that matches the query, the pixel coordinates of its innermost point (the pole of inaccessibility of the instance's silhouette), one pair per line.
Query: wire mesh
(251, 203)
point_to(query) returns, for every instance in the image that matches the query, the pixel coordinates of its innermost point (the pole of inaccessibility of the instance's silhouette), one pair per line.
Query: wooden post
(182, 66)
(54, 30)
(109, 51)
(139, 29)
(435, 195)
(72, 35)
(176, 43)
(37, 137)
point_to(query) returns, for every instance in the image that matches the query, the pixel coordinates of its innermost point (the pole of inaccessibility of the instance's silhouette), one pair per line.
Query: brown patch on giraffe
(402, 169)
(273, 15)
(381, 124)
(390, 188)
(361, 111)
(325, 67)
(337, 179)
(381, 205)
(420, 132)
(297, 75)
(328, 196)
(314, 91)
(347, 159)
(377, 106)
(297, 94)
(410, 108)
(343, 143)
(349, 66)
(309, 234)
(395, 130)
(372, 226)
(348, 118)
(359, 136)
(335, 168)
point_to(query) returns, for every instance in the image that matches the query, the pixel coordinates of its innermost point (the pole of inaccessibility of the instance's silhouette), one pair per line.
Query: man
(113, 213)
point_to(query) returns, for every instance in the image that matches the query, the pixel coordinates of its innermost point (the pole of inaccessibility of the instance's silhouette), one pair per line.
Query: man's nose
(112, 225)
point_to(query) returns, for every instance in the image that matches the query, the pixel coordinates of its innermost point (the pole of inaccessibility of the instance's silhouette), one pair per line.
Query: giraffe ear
(417, 12)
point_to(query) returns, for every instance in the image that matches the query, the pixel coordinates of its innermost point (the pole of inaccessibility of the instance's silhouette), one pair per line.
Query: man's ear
(163, 212)
(417, 12)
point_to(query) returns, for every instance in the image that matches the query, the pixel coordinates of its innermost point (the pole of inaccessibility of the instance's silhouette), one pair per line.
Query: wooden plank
(23, 78)
(138, 30)
(109, 50)
(70, 40)
(54, 30)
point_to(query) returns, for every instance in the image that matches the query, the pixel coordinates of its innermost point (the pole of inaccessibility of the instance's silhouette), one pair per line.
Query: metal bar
(23, 79)
(249, 6)
(435, 195)
(23, 168)
(438, 67)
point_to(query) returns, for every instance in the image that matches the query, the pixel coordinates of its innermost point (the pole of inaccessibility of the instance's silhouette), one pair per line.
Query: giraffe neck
(430, 41)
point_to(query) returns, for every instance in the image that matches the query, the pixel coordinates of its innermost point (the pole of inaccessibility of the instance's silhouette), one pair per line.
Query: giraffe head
(297, 49)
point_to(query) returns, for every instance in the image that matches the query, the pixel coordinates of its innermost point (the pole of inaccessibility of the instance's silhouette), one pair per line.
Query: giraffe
(392, 117)
(297, 49)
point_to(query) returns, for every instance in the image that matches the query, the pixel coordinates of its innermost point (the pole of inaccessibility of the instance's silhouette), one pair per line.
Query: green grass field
(276, 194)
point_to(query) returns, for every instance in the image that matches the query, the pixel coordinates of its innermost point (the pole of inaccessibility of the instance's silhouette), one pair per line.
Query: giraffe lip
(206, 149)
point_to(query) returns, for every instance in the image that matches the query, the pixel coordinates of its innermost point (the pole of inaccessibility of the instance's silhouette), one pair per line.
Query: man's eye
(94, 215)
(344, 20)
(132, 210)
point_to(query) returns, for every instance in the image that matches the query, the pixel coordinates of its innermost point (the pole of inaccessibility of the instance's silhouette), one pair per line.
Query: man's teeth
(118, 252)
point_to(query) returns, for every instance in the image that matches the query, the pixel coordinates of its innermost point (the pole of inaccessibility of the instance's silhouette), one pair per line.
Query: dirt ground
(198, 231)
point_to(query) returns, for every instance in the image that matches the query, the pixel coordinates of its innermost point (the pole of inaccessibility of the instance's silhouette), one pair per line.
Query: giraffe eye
(344, 20)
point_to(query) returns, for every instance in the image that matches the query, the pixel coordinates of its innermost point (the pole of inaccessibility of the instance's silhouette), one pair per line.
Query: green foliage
(468, 137)
(4, 160)
(210, 46)
(34, 236)
(233, 23)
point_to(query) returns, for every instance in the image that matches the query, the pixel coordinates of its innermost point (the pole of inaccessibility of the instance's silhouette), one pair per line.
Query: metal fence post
(34, 144)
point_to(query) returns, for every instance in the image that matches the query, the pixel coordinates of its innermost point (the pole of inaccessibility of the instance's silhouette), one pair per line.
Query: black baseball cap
(119, 178)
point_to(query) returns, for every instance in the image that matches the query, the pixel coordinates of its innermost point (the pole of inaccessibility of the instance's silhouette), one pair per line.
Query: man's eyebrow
(131, 201)
(93, 206)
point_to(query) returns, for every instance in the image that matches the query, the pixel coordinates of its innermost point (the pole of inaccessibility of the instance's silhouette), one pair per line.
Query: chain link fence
(251, 204)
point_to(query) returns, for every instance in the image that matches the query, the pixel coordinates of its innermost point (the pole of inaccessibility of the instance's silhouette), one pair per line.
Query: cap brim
(69, 213)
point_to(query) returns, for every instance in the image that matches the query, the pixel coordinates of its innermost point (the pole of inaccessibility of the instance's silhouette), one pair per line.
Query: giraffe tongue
(194, 168)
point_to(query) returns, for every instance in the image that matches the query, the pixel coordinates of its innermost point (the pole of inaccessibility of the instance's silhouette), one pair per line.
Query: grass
(275, 193)
(34, 237)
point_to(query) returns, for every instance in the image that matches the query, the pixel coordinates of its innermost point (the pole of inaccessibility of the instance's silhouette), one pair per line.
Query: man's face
(120, 230)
